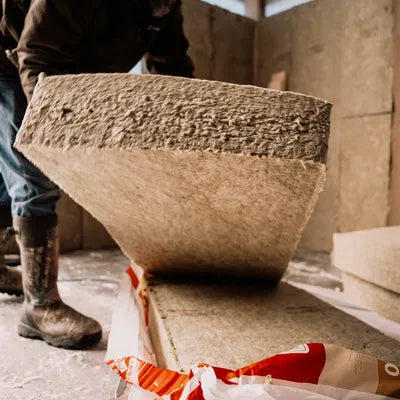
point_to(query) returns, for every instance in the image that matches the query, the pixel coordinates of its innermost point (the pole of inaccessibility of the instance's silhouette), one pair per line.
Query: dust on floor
(31, 370)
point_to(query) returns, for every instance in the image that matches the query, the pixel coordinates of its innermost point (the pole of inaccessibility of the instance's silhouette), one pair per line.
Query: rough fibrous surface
(146, 156)
(372, 255)
(370, 262)
(143, 112)
(232, 325)
(372, 297)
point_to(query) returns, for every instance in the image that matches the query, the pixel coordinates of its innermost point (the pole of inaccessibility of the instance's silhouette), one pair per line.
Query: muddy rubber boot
(10, 279)
(45, 316)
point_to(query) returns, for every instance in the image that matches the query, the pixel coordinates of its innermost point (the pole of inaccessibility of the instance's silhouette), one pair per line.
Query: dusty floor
(31, 370)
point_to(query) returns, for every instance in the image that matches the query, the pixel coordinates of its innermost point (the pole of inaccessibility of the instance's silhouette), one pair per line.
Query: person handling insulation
(64, 37)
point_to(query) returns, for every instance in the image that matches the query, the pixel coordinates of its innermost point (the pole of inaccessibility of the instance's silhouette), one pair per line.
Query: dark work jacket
(89, 36)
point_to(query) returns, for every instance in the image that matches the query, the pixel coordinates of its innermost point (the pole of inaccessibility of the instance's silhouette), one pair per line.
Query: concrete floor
(312, 272)
(31, 370)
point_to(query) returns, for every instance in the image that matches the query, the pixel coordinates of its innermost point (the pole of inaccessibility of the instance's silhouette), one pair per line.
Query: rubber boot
(10, 279)
(45, 316)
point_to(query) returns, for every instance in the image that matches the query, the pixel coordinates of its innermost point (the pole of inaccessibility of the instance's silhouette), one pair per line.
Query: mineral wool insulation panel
(187, 175)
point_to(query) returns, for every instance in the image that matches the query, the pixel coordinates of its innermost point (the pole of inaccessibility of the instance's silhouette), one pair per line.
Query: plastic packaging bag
(312, 371)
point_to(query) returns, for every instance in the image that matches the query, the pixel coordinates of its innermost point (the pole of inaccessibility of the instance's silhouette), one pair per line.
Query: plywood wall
(394, 203)
(221, 43)
(342, 51)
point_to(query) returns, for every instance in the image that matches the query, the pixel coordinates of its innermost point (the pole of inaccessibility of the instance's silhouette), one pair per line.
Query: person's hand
(161, 8)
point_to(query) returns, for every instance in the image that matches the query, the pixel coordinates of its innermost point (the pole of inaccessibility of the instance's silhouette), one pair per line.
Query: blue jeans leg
(5, 199)
(32, 193)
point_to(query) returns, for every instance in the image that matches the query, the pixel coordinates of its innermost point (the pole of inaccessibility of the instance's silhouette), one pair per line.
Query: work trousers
(22, 185)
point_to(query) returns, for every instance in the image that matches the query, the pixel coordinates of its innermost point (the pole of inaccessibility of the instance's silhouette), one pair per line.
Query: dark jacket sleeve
(51, 37)
(168, 54)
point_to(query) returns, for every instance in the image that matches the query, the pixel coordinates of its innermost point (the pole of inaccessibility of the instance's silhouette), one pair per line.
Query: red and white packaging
(312, 371)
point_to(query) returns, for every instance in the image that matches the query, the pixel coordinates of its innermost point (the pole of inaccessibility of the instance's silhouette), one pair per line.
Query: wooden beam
(255, 8)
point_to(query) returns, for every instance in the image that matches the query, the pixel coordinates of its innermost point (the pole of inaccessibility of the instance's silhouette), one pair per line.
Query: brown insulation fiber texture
(188, 176)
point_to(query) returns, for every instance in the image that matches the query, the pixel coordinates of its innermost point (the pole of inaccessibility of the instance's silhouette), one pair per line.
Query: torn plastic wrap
(312, 371)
